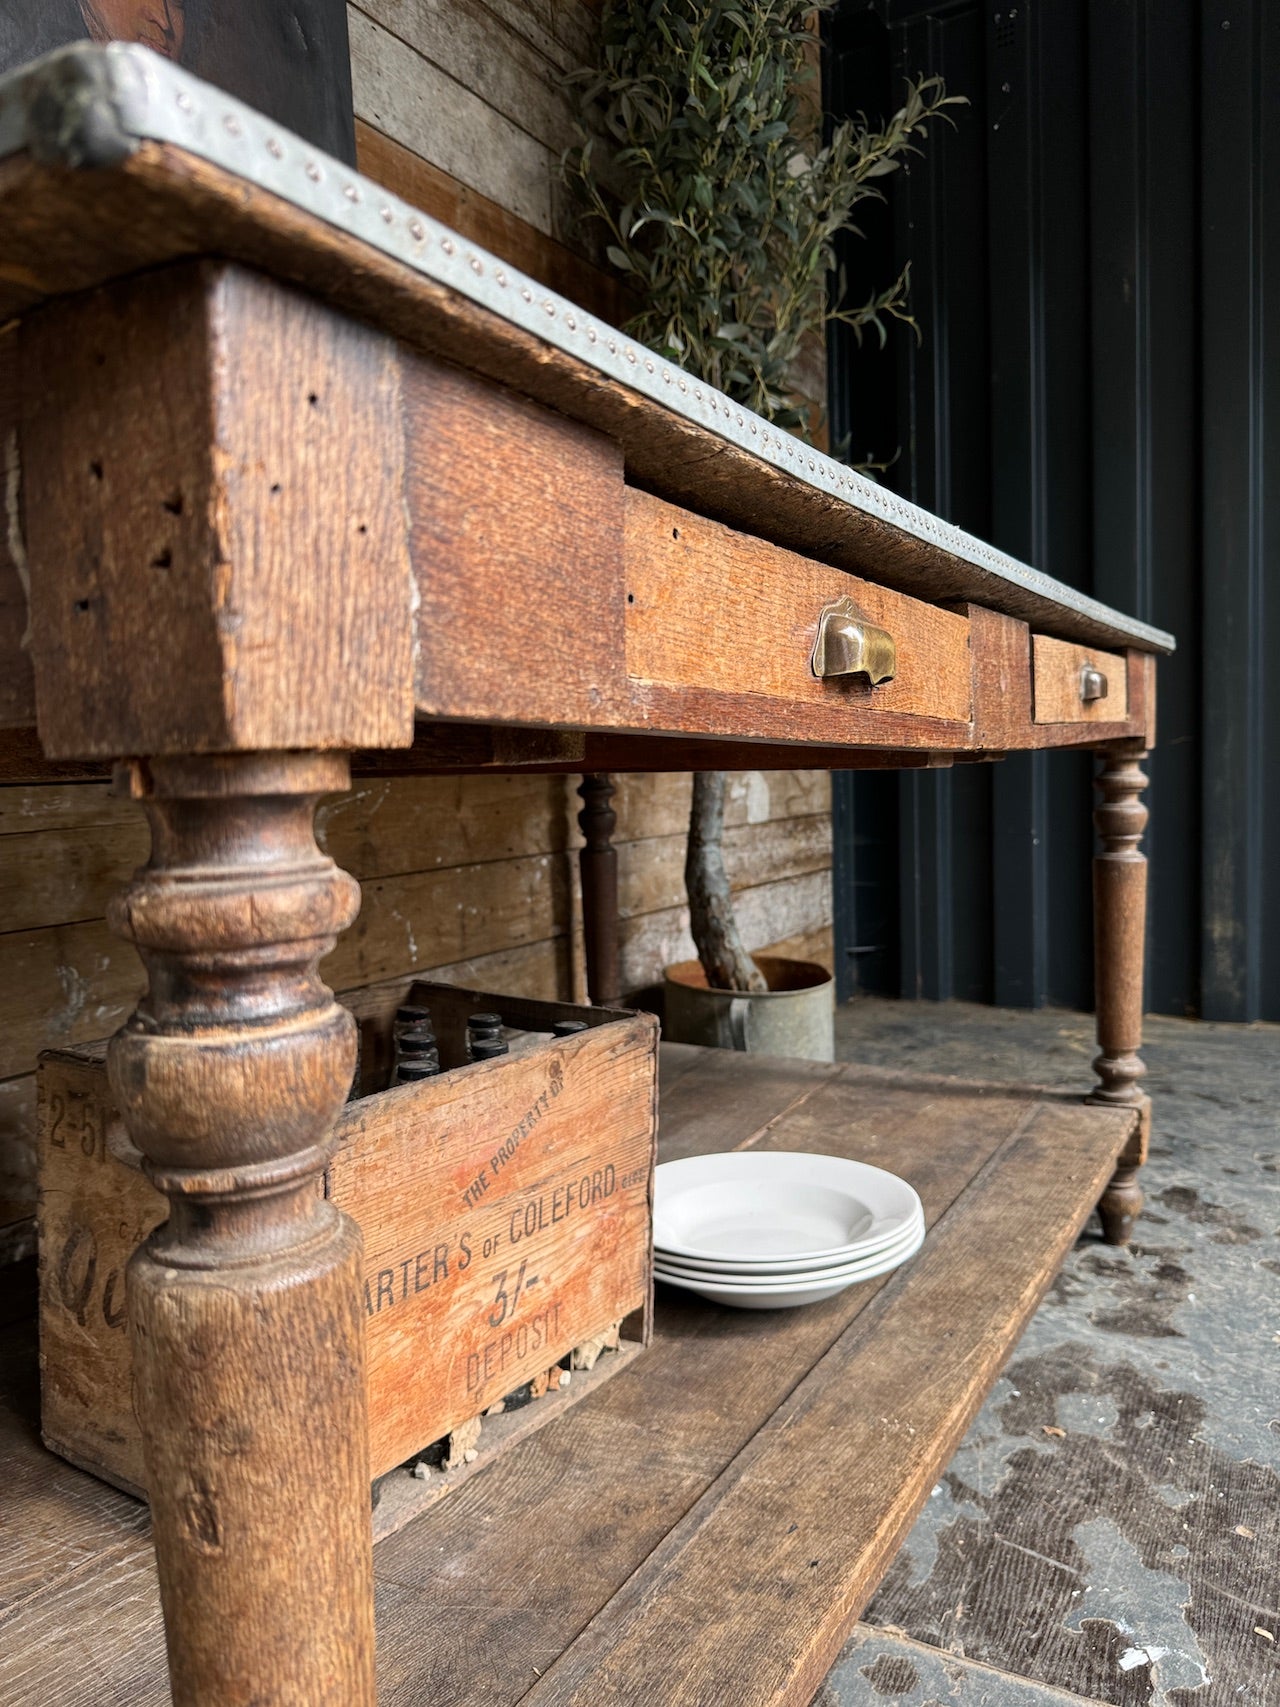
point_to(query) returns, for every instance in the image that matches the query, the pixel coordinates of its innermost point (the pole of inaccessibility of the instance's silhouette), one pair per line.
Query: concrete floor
(1109, 1530)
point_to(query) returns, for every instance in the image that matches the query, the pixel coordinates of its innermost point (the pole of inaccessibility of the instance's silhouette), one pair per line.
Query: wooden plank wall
(460, 107)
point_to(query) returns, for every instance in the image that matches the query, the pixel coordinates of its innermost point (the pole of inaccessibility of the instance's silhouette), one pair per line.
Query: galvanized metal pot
(795, 1016)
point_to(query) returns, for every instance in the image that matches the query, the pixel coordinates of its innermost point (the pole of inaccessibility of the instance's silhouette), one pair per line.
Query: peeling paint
(1133, 1557)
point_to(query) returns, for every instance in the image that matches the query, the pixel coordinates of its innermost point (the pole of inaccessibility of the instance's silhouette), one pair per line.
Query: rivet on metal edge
(388, 216)
(313, 171)
(476, 266)
(549, 307)
(416, 231)
(273, 147)
(448, 245)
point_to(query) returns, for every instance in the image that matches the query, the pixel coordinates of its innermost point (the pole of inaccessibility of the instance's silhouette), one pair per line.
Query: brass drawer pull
(848, 645)
(1093, 684)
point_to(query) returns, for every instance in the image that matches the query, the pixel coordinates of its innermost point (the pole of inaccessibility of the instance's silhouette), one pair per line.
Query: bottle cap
(415, 1037)
(485, 1022)
(411, 1013)
(567, 1027)
(486, 1048)
(411, 1070)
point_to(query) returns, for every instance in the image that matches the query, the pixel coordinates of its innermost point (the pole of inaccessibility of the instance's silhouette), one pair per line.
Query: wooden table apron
(262, 532)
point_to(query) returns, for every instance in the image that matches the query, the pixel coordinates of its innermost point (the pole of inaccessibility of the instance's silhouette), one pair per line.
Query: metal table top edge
(91, 106)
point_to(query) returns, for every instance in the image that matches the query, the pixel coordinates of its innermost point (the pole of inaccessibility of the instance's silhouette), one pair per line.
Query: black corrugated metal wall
(1094, 390)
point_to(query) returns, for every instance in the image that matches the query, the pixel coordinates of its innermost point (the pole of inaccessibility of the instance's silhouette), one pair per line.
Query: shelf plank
(642, 1545)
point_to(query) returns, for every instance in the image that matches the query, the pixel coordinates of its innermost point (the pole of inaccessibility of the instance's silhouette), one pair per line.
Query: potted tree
(701, 156)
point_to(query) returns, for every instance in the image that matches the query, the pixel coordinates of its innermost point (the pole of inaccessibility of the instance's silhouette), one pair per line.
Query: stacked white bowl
(769, 1229)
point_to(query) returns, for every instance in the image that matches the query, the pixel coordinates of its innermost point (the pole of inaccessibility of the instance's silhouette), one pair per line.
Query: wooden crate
(505, 1207)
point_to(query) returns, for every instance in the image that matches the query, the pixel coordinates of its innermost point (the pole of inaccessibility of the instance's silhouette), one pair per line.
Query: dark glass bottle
(484, 1037)
(416, 1046)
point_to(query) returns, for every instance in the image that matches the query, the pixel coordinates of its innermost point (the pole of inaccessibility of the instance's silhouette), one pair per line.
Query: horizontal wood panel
(658, 804)
(488, 60)
(651, 873)
(765, 914)
(1057, 667)
(488, 223)
(404, 95)
(721, 612)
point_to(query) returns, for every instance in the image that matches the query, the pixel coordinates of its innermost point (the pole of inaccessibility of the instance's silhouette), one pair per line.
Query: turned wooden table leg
(244, 1305)
(598, 862)
(1119, 932)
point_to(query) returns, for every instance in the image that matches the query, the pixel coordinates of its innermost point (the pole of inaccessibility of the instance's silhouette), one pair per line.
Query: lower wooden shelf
(707, 1524)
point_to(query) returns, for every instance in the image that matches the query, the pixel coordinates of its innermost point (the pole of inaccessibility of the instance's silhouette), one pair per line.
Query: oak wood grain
(768, 1567)
(1057, 668)
(720, 612)
(554, 1516)
(162, 204)
(213, 506)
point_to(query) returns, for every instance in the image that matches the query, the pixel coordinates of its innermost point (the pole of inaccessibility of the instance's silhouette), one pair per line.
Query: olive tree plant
(701, 156)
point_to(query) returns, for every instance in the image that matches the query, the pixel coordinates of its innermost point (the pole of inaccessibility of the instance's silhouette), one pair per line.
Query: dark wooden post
(598, 863)
(1119, 934)
(244, 1305)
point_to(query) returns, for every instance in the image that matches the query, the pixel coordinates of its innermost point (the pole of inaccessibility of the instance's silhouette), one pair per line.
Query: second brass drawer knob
(848, 645)
(1093, 684)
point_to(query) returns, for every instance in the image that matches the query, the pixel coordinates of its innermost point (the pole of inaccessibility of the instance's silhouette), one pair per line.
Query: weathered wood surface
(504, 1213)
(211, 459)
(1119, 942)
(1056, 671)
(244, 1306)
(556, 1550)
(163, 204)
(468, 877)
(734, 619)
(440, 545)
(475, 216)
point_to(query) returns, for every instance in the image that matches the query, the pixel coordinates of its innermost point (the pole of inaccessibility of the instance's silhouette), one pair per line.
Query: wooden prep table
(294, 474)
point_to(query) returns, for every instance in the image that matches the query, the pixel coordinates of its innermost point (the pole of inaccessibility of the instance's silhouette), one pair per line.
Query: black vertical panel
(864, 427)
(1239, 259)
(1146, 410)
(1115, 421)
(943, 401)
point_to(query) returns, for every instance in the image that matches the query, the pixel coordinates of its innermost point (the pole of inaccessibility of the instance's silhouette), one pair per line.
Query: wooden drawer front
(1058, 673)
(712, 609)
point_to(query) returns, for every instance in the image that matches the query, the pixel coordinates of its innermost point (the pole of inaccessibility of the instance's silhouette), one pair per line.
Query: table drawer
(1077, 684)
(714, 610)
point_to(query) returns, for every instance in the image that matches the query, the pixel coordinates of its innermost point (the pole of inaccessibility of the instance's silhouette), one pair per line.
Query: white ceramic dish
(784, 1292)
(670, 1267)
(797, 1269)
(777, 1205)
(769, 1266)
